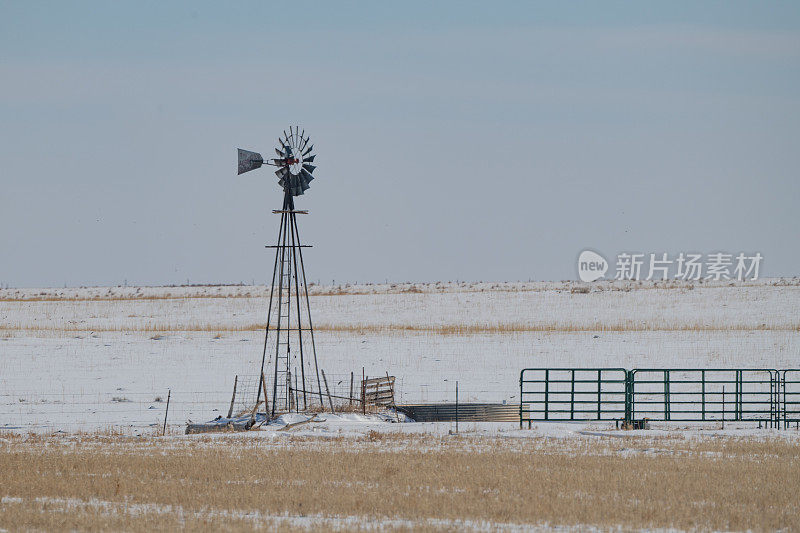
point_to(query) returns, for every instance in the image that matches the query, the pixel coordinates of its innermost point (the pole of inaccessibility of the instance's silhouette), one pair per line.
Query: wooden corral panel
(378, 391)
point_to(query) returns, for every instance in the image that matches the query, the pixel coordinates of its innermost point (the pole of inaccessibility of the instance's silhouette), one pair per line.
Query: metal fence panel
(790, 395)
(668, 394)
(572, 394)
(683, 394)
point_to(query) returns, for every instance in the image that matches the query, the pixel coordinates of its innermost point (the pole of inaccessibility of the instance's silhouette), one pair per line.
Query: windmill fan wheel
(295, 155)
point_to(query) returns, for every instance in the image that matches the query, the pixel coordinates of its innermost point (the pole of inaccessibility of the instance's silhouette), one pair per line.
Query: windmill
(288, 327)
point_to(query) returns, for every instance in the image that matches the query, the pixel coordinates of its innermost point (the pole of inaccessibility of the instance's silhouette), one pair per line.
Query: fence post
(572, 397)
(328, 391)
(166, 413)
(350, 403)
(782, 383)
(599, 397)
(521, 372)
(456, 406)
(632, 403)
(628, 395)
(737, 407)
(777, 402)
(703, 393)
(546, 393)
(230, 409)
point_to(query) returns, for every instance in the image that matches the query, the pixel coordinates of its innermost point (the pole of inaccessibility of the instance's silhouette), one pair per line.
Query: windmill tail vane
(289, 370)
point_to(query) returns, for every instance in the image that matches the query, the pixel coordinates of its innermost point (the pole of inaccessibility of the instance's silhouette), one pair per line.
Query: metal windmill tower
(287, 372)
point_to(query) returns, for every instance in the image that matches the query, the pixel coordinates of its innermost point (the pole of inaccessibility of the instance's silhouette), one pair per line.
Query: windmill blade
(249, 160)
(307, 175)
(309, 150)
(292, 185)
(280, 153)
(309, 168)
(281, 172)
(309, 159)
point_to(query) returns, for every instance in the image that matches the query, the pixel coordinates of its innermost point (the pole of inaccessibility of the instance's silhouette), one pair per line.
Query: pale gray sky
(465, 140)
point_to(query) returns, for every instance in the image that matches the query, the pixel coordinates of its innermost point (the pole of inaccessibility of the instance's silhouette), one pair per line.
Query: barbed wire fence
(36, 411)
(31, 410)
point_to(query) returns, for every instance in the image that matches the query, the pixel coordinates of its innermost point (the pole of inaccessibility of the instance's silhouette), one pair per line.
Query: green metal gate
(707, 394)
(572, 394)
(669, 394)
(790, 396)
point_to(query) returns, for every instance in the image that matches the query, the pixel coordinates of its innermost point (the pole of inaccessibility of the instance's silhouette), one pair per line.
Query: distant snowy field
(83, 359)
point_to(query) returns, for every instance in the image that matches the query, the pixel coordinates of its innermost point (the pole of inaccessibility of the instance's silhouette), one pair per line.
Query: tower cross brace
(289, 324)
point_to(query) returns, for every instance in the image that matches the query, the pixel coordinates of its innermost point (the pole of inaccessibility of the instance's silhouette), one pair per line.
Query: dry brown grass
(369, 289)
(130, 298)
(109, 482)
(479, 329)
(385, 329)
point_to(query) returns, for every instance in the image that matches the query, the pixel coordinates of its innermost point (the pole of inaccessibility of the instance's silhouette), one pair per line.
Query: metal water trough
(467, 412)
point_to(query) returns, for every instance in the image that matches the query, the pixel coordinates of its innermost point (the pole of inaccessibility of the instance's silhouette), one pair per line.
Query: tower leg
(261, 383)
(288, 274)
(308, 307)
(297, 285)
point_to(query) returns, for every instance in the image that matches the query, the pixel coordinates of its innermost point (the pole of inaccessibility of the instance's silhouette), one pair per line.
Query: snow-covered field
(82, 359)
